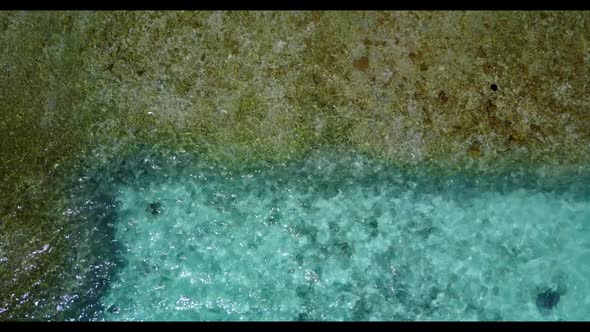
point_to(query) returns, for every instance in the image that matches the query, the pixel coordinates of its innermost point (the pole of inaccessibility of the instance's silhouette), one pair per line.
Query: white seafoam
(240, 249)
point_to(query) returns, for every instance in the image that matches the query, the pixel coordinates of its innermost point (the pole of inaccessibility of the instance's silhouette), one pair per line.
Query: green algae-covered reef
(451, 90)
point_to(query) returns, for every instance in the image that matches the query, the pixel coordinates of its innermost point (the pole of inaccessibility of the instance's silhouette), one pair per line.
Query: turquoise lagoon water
(339, 237)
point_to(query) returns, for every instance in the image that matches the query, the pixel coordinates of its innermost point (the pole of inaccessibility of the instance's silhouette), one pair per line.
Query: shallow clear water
(343, 238)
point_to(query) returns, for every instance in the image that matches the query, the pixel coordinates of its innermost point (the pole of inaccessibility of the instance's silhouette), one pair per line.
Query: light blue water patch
(345, 239)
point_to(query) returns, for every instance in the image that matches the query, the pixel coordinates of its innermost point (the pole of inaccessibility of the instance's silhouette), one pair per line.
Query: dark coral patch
(155, 208)
(547, 300)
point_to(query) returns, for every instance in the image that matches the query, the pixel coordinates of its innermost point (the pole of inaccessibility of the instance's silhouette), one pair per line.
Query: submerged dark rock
(303, 316)
(547, 300)
(155, 208)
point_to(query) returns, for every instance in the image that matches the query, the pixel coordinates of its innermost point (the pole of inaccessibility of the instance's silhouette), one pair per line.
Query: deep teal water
(332, 237)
